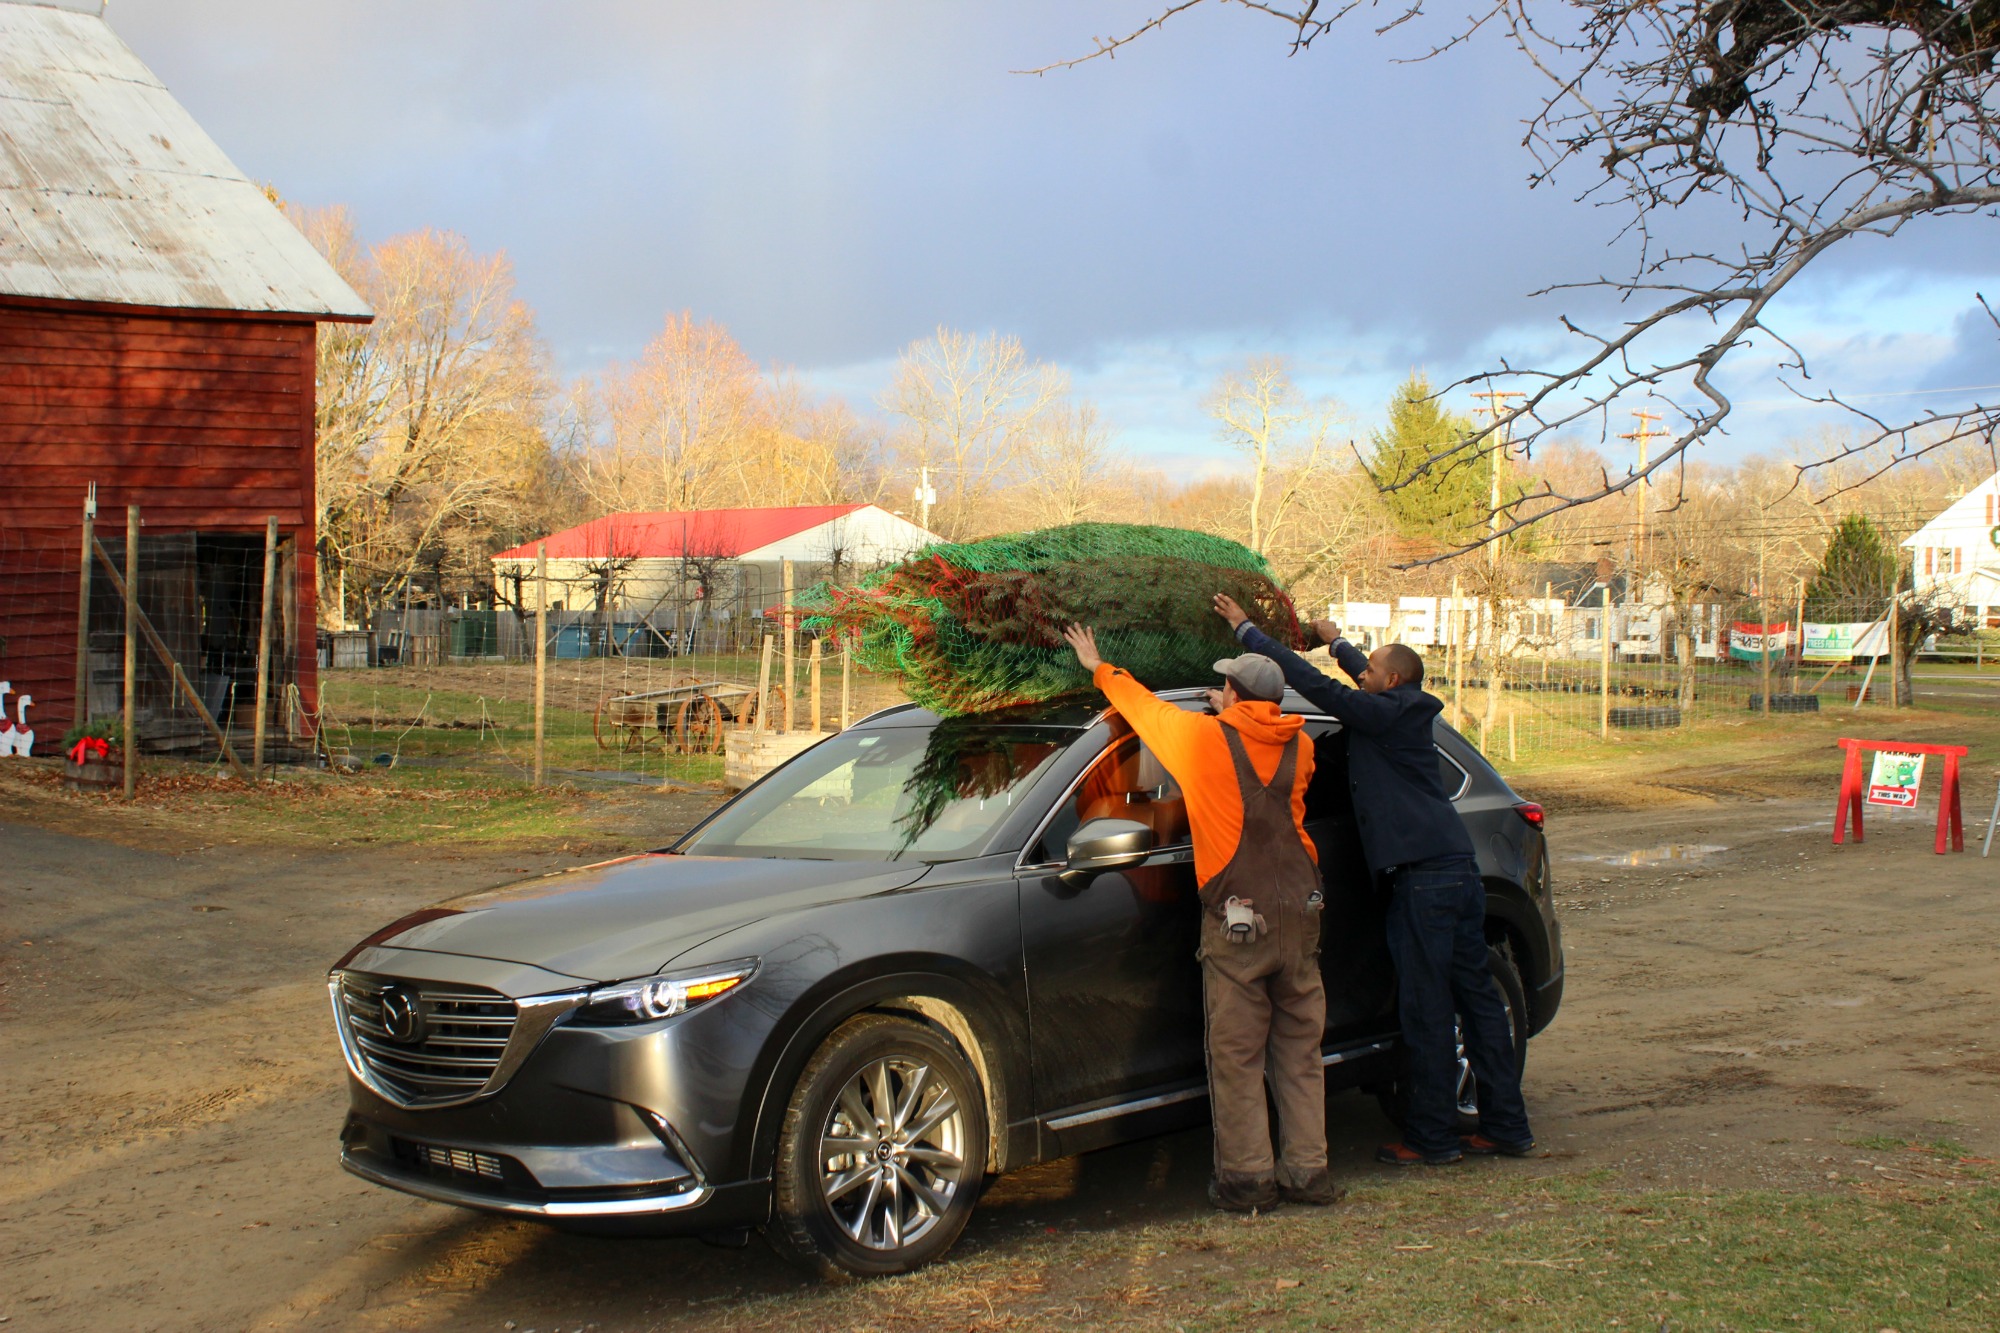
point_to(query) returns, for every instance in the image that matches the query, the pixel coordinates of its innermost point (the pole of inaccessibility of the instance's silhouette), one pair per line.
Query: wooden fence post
(541, 657)
(264, 645)
(1895, 654)
(131, 650)
(82, 709)
(812, 667)
(791, 676)
(764, 685)
(1604, 670)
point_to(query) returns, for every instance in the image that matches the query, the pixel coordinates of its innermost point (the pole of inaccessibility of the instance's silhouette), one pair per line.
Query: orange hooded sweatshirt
(1192, 748)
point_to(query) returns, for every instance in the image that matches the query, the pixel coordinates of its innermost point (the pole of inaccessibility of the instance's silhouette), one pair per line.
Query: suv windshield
(929, 793)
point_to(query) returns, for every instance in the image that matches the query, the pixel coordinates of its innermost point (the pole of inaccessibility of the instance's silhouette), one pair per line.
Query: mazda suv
(923, 952)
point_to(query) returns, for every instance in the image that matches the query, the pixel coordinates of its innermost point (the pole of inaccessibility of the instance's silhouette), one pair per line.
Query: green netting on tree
(971, 626)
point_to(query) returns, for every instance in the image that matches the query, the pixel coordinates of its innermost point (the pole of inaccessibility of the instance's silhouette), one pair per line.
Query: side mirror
(1106, 844)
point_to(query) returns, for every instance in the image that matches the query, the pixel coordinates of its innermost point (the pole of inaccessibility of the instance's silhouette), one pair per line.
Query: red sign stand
(1853, 784)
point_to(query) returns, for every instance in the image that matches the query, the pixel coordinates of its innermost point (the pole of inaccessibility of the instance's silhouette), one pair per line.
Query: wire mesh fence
(200, 624)
(643, 698)
(619, 700)
(1522, 677)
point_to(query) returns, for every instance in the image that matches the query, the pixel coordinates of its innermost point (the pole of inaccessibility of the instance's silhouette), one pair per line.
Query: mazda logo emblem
(401, 1018)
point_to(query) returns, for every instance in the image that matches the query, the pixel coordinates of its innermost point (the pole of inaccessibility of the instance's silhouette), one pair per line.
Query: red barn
(157, 338)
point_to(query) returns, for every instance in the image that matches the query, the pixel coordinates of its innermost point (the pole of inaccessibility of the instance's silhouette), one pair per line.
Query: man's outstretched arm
(1170, 730)
(1357, 708)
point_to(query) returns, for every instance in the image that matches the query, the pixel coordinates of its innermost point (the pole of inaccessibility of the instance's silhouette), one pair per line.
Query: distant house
(157, 331)
(721, 568)
(1955, 558)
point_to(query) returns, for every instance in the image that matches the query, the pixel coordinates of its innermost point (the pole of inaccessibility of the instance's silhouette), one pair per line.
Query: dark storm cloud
(833, 180)
(1973, 358)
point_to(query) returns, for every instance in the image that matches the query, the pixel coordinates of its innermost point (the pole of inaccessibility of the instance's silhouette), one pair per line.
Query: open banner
(1753, 643)
(1839, 642)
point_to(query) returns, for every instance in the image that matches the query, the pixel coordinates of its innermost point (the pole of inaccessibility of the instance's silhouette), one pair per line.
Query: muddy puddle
(1667, 853)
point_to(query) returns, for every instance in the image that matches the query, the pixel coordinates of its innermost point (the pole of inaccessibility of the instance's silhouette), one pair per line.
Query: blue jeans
(1437, 937)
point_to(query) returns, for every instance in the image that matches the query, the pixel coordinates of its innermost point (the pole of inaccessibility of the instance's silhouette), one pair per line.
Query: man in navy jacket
(1413, 838)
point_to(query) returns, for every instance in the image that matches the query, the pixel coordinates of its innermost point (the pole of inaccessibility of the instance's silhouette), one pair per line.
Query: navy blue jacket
(1400, 808)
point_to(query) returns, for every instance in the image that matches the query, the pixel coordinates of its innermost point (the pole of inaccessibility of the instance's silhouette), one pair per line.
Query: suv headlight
(649, 999)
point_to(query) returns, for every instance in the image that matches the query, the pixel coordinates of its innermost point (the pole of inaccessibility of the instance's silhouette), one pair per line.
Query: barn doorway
(203, 592)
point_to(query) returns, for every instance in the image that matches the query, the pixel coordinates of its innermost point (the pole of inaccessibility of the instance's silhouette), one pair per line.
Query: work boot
(1478, 1145)
(1233, 1193)
(1315, 1191)
(1401, 1154)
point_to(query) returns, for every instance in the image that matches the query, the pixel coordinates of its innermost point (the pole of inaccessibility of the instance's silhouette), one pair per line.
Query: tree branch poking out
(1776, 128)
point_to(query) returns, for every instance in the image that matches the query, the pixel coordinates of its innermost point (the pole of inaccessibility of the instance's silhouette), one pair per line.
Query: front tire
(881, 1152)
(1514, 997)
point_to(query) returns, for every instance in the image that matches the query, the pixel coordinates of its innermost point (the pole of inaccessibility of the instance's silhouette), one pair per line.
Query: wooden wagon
(691, 716)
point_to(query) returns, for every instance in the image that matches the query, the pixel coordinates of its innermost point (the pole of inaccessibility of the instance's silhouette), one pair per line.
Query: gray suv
(924, 952)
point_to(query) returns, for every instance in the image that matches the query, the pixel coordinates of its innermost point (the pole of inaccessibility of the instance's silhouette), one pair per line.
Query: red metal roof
(695, 532)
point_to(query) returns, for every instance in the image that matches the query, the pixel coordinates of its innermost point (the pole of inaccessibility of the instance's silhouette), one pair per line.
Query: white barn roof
(109, 190)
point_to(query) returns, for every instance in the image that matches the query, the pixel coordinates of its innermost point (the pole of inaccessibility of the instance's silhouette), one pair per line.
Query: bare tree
(1262, 413)
(678, 417)
(1070, 472)
(1778, 128)
(430, 428)
(968, 404)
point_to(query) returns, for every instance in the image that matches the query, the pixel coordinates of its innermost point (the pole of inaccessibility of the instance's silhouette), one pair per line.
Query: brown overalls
(1266, 1003)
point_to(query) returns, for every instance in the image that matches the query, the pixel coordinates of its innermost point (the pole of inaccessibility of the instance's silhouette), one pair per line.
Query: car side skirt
(1080, 1129)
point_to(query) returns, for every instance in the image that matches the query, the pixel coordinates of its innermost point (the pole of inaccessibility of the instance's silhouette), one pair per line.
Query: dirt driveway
(1737, 1016)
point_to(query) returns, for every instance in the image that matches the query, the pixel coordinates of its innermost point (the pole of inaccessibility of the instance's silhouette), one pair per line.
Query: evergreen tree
(1442, 498)
(1855, 576)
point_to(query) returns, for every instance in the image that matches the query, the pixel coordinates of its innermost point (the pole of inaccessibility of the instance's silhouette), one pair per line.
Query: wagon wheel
(599, 726)
(701, 726)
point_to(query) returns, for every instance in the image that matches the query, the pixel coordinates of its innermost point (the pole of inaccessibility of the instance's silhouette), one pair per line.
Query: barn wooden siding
(205, 422)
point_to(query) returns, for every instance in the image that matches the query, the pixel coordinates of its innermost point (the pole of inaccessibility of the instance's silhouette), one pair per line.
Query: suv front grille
(448, 1045)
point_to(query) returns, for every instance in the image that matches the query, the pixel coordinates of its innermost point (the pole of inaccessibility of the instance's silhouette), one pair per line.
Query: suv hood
(630, 917)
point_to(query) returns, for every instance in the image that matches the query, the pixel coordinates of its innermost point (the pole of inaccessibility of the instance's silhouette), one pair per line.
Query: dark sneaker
(1398, 1154)
(1478, 1145)
(1316, 1191)
(1243, 1194)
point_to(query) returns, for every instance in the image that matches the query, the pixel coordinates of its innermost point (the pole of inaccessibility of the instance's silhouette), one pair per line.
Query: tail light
(1529, 811)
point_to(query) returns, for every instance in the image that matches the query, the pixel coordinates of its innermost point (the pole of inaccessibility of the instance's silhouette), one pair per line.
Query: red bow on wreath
(89, 748)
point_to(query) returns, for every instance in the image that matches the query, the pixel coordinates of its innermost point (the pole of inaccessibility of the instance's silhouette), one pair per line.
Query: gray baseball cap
(1255, 676)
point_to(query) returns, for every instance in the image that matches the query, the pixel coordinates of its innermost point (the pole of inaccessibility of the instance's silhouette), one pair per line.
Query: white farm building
(1956, 556)
(713, 570)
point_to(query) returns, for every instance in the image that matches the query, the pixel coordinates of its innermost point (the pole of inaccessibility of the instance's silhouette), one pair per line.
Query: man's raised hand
(1084, 640)
(1226, 607)
(1327, 630)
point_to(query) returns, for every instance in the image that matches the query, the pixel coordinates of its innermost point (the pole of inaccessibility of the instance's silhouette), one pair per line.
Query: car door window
(1126, 782)
(1453, 778)
(1327, 796)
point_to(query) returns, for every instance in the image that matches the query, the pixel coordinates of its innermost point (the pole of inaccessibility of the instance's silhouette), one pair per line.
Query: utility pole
(1496, 405)
(1642, 436)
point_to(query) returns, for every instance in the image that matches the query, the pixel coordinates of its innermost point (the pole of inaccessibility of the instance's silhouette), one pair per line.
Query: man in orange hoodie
(1244, 772)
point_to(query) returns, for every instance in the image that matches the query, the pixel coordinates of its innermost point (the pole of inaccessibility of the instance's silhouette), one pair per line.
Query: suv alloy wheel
(881, 1153)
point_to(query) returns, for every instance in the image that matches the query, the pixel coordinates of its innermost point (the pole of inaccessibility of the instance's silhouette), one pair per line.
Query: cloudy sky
(835, 179)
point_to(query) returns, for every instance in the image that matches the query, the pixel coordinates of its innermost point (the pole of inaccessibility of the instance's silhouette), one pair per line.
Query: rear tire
(1500, 962)
(881, 1152)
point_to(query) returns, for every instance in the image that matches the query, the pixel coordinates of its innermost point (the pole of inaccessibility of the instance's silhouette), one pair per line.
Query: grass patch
(1482, 1253)
(1750, 755)
(437, 807)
